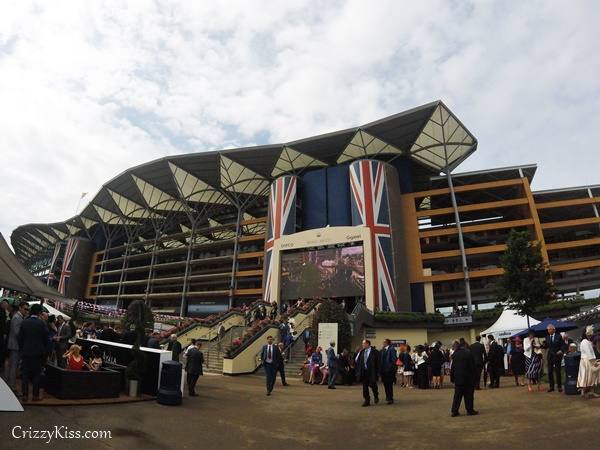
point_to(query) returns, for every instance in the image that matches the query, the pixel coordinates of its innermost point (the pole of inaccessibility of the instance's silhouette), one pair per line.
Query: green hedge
(411, 317)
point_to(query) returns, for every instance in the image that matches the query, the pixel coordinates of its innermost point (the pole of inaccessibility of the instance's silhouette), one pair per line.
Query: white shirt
(269, 348)
(587, 349)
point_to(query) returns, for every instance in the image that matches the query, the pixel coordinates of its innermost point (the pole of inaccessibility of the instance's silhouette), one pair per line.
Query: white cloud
(88, 89)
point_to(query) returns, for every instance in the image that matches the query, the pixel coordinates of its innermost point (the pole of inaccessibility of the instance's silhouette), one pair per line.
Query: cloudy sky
(88, 89)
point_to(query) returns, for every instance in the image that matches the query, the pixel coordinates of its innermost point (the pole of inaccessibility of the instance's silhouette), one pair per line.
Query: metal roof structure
(217, 183)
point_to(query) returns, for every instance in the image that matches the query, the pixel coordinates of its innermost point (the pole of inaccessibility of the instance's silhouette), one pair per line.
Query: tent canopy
(540, 328)
(51, 310)
(509, 323)
(15, 277)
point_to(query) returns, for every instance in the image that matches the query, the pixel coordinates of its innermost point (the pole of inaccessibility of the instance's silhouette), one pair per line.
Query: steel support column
(151, 269)
(183, 307)
(236, 246)
(123, 268)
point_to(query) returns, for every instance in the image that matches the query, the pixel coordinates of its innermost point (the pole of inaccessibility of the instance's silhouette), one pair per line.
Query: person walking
(331, 366)
(589, 367)
(367, 371)
(517, 361)
(33, 344)
(480, 356)
(270, 357)
(436, 360)
(193, 367)
(496, 362)
(388, 368)
(281, 365)
(14, 353)
(554, 343)
(174, 346)
(462, 374)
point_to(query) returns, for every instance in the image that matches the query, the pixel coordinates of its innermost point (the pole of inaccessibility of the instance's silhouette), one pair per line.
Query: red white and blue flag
(370, 208)
(58, 248)
(67, 266)
(282, 221)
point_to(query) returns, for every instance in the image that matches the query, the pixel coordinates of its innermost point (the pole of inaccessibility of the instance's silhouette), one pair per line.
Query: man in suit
(174, 346)
(270, 357)
(331, 366)
(462, 374)
(555, 345)
(14, 353)
(63, 334)
(495, 362)
(367, 371)
(387, 367)
(478, 352)
(33, 343)
(193, 367)
(281, 365)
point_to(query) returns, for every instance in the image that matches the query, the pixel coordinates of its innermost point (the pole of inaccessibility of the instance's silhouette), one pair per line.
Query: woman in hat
(517, 361)
(534, 371)
(589, 367)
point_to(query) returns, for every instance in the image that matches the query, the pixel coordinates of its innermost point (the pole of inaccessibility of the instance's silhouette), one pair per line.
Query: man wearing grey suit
(193, 367)
(14, 353)
(62, 337)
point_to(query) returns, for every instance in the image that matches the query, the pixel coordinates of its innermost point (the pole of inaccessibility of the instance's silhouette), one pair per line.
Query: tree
(330, 311)
(137, 318)
(527, 282)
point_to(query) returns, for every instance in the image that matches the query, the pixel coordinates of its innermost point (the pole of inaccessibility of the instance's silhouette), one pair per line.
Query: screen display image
(327, 272)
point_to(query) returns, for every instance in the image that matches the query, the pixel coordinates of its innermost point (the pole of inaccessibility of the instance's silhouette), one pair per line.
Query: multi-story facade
(195, 233)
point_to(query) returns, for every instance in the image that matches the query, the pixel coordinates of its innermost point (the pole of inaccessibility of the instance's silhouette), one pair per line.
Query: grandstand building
(375, 214)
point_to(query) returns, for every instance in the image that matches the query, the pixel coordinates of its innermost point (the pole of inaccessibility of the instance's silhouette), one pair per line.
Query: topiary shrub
(331, 312)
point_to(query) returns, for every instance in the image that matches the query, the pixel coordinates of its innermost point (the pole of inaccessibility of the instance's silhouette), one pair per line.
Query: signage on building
(458, 320)
(328, 332)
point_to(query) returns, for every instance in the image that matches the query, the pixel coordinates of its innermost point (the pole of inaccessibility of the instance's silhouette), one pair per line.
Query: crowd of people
(426, 366)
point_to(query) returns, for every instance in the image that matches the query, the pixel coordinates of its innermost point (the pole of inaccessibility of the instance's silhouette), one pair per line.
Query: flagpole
(83, 194)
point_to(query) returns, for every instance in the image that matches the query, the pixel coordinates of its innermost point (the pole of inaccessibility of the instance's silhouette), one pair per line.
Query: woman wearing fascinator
(589, 367)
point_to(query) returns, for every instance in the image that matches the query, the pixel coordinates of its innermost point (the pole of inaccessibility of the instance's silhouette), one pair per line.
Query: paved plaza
(234, 413)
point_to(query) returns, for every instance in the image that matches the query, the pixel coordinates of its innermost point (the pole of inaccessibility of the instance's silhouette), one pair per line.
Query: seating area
(83, 384)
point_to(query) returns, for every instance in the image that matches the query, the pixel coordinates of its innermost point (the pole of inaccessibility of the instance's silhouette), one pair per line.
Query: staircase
(296, 360)
(215, 350)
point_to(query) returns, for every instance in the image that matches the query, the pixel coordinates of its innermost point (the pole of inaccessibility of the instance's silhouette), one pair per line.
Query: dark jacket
(195, 360)
(331, 358)
(371, 372)
(462, 370)
(496, 357)
(387, 361)
(110, 335)
(276, 356)
(33, 337)
(479, 354)
(554, 345)
(436, 358)
(175, 347)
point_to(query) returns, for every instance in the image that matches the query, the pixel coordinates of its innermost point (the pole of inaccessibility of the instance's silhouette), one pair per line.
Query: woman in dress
(96, 361)
(534, 371)
(436, 360)
(420, 361)
(589, 367)
(409, 368)
(316, 361)
(517, 361)
(74, 359)
(528, 344)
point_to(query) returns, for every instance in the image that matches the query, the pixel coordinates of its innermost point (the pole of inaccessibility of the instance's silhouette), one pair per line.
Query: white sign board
(328, 332)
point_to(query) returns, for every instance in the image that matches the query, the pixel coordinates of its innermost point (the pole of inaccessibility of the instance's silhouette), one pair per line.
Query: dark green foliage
(138, 318)
(409, 317)
(331, 312)
(526, 284)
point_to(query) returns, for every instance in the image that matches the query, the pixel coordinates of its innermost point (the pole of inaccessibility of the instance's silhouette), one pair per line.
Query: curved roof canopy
(216, 181)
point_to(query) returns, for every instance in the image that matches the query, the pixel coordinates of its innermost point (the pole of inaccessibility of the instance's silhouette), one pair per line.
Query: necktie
(269, 355)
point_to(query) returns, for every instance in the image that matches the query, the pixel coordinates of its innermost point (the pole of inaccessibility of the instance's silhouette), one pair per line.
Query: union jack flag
(58, 248)
(282, 221)
(370, 208)
(67, 266)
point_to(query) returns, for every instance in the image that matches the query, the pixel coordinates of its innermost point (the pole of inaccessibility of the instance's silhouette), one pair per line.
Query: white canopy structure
(52, 310)
(509, 323)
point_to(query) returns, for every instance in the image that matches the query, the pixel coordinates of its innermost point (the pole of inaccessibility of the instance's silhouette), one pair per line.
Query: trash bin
(571, 372)
(169, 392)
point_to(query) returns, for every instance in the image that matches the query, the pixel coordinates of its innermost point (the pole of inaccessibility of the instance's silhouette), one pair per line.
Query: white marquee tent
(509, 323)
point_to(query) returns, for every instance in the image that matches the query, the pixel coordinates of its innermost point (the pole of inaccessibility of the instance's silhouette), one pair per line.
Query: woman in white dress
(589, 367)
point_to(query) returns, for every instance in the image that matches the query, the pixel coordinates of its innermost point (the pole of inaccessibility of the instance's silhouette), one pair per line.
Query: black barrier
(119, 354)
(169, 392)
(571, 372)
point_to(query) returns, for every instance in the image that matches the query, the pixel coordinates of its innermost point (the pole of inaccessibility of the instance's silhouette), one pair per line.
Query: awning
(15, 277)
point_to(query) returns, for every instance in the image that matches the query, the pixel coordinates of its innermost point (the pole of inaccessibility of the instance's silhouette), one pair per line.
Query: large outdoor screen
(326, 272)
